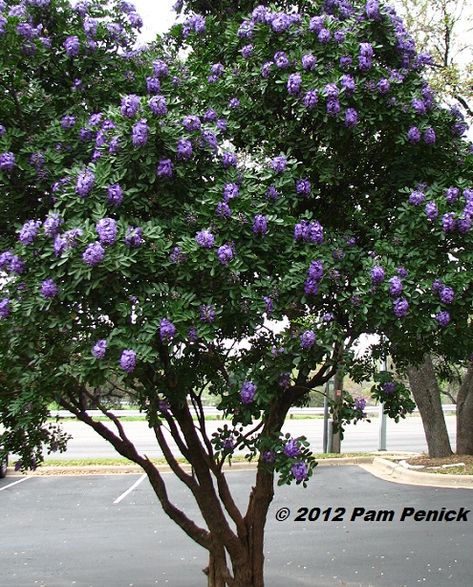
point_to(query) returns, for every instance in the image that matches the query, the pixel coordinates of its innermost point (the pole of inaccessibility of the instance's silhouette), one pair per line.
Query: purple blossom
(268, 305)
(294, 84)
(209, 139)
(311, 287)
(345, 62)
(437, 285)
(316, 270)
(389, 387)
(207, 313)
(191, 123)
(413, 134)
(446, 294)
(309, 232)
(328, 317)
(443, 318)
(107, 231)
(222, 124)
(449, 222)
(130, 105)
(316, 24)
(5, 308)
(160, 68)
(333, 107)
(7, 161)
(153, 85)
(192, 334)
(429, 136)
(164, 168)
(72, 46)
(246, 29)
(210, 115)
(418, 106)
(351, 117)
(246, 51)
(68, 121)
(307, 339)
(299, 471)
(167, 330)
(309, 62)
(49, 289)
(360, 405)
(377, 275)
(94, 254)
(158, 105)
(99, 349)
(225, 254)
(272, 193)
(266, 69)
(348, 83)
(431, 210)
(260, 224)
(85, 183)
(247, 392)
(402, 272)
(205, 239)
(303, 187)
(281, 60)
(140, 133)
(291, 448)
(400, 307)
(280, 22)
(230, 191)
(416, 198)
(324, 36)
(395, 286)
(128, 360)
(29, 232)
(184, 150)
(134, 237)
(229, 160)
(177, 256)
(115, 194)
(51, 225)
(383, 86)
(234, 103)
(311, 99)
(195, 23)
(223, 210)
(279, 164)
(451, 194)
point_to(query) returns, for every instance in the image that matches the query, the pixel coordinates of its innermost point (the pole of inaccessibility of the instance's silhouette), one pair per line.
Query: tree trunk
(465, 415)
(426, 392)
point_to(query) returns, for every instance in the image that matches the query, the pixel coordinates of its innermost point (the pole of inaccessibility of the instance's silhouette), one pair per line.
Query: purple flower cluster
(307, 339)
(66, 241)
(52, 224)
(205, 239)
(314, 276)
(260, 225)
(225, 254)
(309, 62)
(416, 198)
(389, 387)
(167, 330)
(130, 105)
(247, 392)
(115, 194)
(93, 254)
(99, 349)
(5, 307)
(365, 58)
(195, 23)
(191, 123)
(85, 183)
(107, 231)
(351, 117)
(128, 360)
(443, 318)
(281, 60)
(247, 51)
(413, 135)
(139, 133)
(299, 471)
(310, 99)
(158, 105)
(165, 168)
(49, 289)
(431, 211)
(72, 46)
(229, 159)
(291, 448)
(160, 68)
(184, 149)
(7, 161)
(223, 210)
(29, 232)
(303, 187)
(377, 275)
(134, 237)
(294, 84)
(395, 286)
(68, 121)
(400, 307)
(309, 232)
(207, 313)
(360, 405)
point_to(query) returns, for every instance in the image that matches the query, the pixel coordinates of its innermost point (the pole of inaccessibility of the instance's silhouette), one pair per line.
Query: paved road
(67, 531)
(407, 435)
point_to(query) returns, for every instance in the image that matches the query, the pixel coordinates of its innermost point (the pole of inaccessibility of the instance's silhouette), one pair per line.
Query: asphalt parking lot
(109, 531)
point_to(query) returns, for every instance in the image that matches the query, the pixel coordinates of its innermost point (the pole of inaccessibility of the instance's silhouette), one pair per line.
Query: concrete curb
(391, 471)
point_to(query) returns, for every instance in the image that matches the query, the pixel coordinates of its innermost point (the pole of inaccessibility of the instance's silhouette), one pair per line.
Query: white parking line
(130, 489)
(14, 483)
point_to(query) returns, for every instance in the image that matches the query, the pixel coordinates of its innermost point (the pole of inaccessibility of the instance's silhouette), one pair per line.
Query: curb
(390, 471)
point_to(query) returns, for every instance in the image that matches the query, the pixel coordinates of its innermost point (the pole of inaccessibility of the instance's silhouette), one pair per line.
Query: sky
(157, 16)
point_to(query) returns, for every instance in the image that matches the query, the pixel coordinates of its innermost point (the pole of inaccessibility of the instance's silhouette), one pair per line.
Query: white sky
(157, 16)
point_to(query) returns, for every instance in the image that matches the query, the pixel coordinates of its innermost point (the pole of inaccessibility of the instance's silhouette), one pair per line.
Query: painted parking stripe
(14, 483)
(130, 489)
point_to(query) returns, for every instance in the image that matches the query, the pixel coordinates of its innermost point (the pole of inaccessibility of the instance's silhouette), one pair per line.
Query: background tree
(295, 133)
